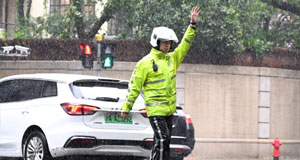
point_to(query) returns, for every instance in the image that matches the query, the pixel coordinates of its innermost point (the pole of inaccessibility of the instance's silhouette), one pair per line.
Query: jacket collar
(159, 54)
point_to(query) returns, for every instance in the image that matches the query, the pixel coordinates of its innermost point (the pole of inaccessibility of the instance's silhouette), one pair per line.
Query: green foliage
(58, 26)
(253, 19)
(220, 28)
(3, 35)
(145, 15)
(285, 33)
(257, 46)
(32, 28)
(29, 27)
(54, 25)
(224, 27)
(62, 25)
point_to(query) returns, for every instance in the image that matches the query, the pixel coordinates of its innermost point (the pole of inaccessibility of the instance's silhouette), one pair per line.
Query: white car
(43, 116)
(53, 115)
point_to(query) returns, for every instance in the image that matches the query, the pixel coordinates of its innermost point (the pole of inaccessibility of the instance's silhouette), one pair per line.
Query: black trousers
(162, 127)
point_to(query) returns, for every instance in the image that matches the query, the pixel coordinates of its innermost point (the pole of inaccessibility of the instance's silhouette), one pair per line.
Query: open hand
(194, 14)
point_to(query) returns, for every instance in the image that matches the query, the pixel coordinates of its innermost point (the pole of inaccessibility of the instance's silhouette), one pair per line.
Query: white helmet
(163, 34)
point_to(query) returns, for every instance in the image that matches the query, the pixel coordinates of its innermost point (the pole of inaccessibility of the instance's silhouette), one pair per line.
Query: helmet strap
(171, 46)
(158, 45)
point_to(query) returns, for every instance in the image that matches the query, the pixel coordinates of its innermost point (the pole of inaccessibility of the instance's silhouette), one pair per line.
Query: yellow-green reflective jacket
(160, 86)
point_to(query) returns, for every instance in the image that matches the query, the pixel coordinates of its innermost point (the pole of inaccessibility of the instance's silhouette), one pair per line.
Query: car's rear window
(113, 91)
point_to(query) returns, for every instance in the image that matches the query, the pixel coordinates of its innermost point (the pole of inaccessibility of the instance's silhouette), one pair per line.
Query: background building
(41, 8)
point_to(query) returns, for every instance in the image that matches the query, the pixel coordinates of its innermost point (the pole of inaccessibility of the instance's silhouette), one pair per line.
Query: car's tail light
(148, 143)
(79, 109)
(180, 149)
(188, 119)
(144, 112)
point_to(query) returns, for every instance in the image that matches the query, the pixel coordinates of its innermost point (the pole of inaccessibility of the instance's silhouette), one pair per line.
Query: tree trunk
(110, 9)
(267, 24)
(1, 19)
(28, 8)
(6, 15)
(108, 12)
(20, 11)
(79, 19)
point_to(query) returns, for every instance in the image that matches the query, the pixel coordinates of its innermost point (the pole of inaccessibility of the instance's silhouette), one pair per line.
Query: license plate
(116, 118)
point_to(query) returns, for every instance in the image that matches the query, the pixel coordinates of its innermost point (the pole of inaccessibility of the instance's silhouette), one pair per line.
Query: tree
(62, 26)
(221, 26)
(110, 8)
(144, 15)
(1, 13)
(225, 27)
(26, 27)
(6, 14)
(285, 31)
(20, 10)
(292, 6)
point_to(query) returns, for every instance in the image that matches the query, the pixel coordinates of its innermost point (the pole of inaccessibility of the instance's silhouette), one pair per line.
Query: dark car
(183, 137)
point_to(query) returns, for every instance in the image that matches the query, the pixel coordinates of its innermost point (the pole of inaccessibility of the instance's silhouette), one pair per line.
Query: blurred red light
(74, 109)
(144, 112)
(180, 150)
(88, 50)
(188, 118)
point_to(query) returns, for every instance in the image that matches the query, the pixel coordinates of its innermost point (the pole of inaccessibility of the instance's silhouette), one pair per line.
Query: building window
(62, 7)
(59, 6)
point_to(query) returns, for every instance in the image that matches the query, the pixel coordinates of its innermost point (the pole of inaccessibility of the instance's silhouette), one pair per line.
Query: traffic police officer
(156, 73)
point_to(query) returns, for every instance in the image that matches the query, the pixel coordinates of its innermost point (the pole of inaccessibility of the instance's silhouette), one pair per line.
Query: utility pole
(99, 40)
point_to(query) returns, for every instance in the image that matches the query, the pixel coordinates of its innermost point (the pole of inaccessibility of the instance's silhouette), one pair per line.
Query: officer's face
(165, 46)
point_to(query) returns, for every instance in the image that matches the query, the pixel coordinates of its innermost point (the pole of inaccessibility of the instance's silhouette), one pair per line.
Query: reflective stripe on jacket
(160, 86)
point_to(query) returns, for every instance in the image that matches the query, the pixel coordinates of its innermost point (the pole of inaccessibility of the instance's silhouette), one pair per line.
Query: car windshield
(112, 91)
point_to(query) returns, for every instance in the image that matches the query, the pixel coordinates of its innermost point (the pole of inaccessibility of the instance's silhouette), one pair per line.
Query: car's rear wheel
(36, 147)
